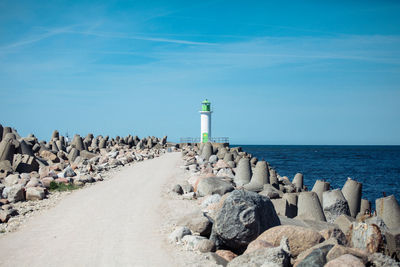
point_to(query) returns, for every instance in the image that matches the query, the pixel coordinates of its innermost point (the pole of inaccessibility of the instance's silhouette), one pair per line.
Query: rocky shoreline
(248, 215)
(35, 175)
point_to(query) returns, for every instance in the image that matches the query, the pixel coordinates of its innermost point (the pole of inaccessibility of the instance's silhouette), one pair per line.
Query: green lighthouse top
(205, 105)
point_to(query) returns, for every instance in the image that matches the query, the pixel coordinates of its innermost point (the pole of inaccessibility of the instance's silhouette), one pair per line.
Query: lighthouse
(205, 117)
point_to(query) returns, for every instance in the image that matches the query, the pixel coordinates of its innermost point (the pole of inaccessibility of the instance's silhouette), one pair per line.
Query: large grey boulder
(242, 218)
(14, 193)
(243, 172)
(266, 257)
(213, 185)
(334, 205)
(259, 178)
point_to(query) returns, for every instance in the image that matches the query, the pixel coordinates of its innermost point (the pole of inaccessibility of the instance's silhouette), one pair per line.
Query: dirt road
(113, 223)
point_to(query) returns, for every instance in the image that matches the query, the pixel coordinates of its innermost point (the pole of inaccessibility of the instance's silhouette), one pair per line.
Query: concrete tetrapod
(365, 207)
(334, 205)
(7, 150)
(1, 132)
(352, 193)
(320, 187)
(309, 208)
(298, 181)
(388, 209)
(243, 172)
(273, 178)
(259, 178)
(207, 151)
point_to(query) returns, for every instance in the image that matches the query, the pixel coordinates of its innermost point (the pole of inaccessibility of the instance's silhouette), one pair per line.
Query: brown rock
(366, 236)
(35, 193)
(346, 260)
(46, 181)
(62, 180)
(339, 250)
(48, 155)
(205, 246)
(257, 244)
(226, 254)
(300, 238)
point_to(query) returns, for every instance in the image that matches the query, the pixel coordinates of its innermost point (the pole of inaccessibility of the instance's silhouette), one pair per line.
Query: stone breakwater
(249, 215)
(33, 171)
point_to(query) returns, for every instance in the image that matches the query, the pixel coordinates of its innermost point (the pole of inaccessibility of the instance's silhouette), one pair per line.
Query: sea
(376, 167)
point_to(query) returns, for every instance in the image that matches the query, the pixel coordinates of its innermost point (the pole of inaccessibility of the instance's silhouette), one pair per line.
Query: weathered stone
(243, 216)
(259, 178)
(5, 168)
(68, 172)
(48, 155)
(380, 260)
(334, 205)
(205, 246)
(317, 257)
(213, 159)
(257, 244)
(215, 259)
(339, 250)
(11, 180)
(179, 233)
(197, 223)
(35, 193)
(309, 207)
(352, 193)
(191, 241)
(226, 254)
(366, 236)
(213, 185)
(300, 238)
(277, 256)
(344, 222)
(73, 154)
(346, 260)
(46, 181)
(177, 189)
(14, 193)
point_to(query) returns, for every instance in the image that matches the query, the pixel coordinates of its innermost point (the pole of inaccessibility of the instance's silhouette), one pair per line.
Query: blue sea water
(377, 167)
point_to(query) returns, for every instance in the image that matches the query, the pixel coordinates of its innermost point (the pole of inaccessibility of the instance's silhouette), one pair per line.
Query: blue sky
(276, 72)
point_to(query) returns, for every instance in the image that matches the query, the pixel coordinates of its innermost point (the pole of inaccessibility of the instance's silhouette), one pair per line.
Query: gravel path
(114, 223)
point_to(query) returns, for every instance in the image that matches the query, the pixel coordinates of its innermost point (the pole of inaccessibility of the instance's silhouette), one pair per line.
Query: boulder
(204, 246)
(48, 155)
(317, 257)
(243, 216)
(334, 205)
(366, 236)
(35, 193)
(300, 238)
(226, 254)
(46, 181)
(339, 250)
(275, 256)
(86, 154)
(192, 241)
(213, 185)
(197, 223)
(14, 193)
(346, 260)
(11, 180)
(179, 233)
(257, 244)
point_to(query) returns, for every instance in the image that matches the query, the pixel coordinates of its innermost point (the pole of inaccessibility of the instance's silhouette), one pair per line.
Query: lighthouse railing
(197, 140)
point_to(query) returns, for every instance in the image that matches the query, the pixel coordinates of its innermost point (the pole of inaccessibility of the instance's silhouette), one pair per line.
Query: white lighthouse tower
(205, 116)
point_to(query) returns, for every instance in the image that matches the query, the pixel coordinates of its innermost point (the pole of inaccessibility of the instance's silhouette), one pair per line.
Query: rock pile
(260, 218)
(30, 168)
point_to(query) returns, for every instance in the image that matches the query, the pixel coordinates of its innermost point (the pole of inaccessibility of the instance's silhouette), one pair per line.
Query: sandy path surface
(113, 223)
